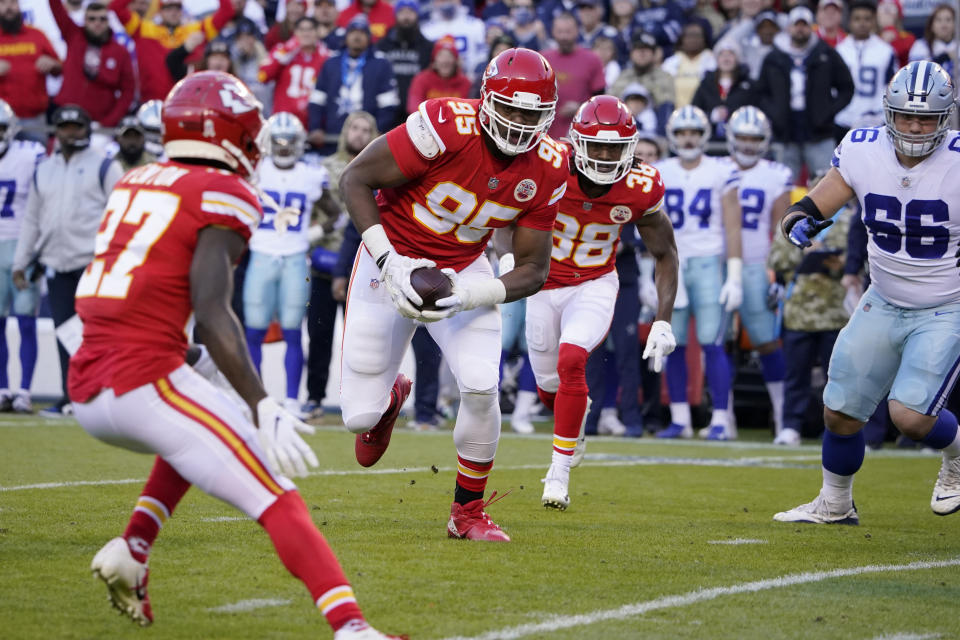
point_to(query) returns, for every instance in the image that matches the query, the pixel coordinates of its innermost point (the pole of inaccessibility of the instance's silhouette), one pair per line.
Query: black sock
(462, 496)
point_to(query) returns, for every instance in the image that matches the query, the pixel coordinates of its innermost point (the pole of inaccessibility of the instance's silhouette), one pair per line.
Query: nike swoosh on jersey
(942, 313)
(440, 118)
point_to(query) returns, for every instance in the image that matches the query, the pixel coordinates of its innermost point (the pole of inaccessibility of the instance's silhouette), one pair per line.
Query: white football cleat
(293, 407)
(521, 425)
(126, 580)
(821, 511)
(788, 437)
(609, 424)
(946, 492)
(360, 630)
(21, 402)
(556, 494)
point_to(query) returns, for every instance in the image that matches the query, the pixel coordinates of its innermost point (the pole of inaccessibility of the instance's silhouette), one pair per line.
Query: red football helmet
(604, 136)
(212, 115)
(518, 79)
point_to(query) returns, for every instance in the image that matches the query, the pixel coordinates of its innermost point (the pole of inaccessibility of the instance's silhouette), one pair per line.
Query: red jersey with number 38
(587, 230)
(134, 297)
(458, 190)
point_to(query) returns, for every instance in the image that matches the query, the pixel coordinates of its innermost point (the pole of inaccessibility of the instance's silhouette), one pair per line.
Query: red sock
(571, 399)
(163, 491)
(306, 554)
(547, 398)
(472, 475)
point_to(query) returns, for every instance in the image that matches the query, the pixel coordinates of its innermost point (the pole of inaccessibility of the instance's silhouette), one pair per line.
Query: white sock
(561, 460)
(775, 389)
(837, 487)
(680, 413)
(524, 405)
(721, 417)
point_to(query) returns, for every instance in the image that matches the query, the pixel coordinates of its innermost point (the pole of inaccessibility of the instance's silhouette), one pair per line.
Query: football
(432, 285)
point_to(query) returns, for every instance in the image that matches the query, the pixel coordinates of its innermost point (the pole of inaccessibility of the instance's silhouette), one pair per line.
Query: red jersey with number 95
(587, 230)
(134, 297)
(458, 190)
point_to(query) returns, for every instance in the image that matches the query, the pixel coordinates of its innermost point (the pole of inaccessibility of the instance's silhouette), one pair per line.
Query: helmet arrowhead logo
(236, 103)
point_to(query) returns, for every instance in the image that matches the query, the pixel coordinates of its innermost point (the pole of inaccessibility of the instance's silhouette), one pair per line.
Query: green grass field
(661, 540)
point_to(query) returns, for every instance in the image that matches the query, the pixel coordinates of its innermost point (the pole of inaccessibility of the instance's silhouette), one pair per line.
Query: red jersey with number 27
(134, 297)
(459, 192)
(587, 230)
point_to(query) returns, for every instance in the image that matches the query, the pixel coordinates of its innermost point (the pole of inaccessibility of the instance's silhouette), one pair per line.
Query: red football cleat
(371, 445)
(471, 522)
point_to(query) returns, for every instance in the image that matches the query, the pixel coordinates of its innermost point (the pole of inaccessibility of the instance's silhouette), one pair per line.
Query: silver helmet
(920, 88)
(748, 135)
(287, 139)
(8, 121)
(150, 115)
(688, 117)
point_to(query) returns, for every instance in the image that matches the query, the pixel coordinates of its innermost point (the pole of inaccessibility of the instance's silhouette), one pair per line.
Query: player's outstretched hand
(660, 343)
(279, 435)
(395, 274)
(801, 229)
(285, 218)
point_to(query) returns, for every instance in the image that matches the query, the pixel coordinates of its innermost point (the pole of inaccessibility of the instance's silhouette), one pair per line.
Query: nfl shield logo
(374, 283)
(493, 183)
(587, 206)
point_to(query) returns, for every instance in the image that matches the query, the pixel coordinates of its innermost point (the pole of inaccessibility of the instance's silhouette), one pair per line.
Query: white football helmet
(921, 88)
(150, 115)
(688, 118)
(9, 123)
(748, 135)
(288, 139)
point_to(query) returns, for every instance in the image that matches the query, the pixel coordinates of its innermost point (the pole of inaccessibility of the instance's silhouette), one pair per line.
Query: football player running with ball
(902, 339)
(170, 235)
(454, 172)
(572, 314)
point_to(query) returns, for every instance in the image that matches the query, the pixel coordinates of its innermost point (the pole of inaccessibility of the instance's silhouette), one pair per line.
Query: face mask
(522, 15)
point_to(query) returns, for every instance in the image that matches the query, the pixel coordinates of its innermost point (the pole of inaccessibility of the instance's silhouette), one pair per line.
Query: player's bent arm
(656, 231)
(732, 222)
(531, 252)
(211, 289)
(374, 168)
(824, 200)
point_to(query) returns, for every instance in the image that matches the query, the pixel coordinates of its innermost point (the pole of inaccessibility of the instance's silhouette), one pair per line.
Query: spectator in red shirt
(829, 21)
(98, 74)
(282, 30)
(156, 40)
(295, 66)
(379, 13)
(26, 57)
(442, 79)
(579, 72)
(890, 27)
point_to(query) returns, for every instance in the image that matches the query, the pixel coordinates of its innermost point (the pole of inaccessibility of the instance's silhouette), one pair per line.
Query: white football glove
(660, 343)
(395, 275)
(731, 293)
(468, 294)
(285, 218)
(279, 435)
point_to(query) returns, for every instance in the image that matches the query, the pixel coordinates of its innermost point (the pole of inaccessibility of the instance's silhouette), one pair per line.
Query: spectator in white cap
(803, 84)
(829, 22)
(640, 104)
(725, 89)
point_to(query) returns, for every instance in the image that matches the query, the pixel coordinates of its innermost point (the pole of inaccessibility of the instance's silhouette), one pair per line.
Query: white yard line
(909, 636)
(737, 541)
(250, 605)
(558, 622)
(225, 519)
(773, 462)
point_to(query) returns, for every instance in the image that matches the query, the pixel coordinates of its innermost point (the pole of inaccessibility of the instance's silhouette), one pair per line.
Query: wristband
(376, 241)
(487, 293)
(807, 207)
(735, 269)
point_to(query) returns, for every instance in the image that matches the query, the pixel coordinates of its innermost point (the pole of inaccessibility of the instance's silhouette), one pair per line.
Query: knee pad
(478, 425)
(572, 367)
